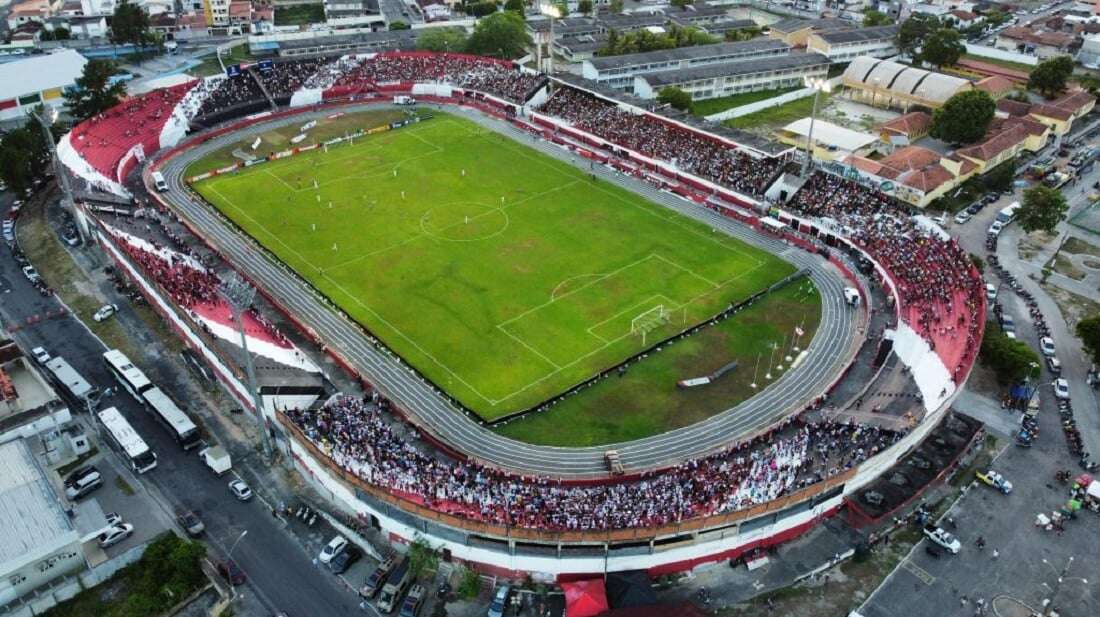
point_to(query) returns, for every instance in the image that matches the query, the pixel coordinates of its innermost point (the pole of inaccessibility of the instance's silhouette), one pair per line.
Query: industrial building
(884, 83)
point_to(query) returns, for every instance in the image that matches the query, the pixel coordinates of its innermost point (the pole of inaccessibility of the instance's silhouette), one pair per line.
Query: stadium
(584, 336)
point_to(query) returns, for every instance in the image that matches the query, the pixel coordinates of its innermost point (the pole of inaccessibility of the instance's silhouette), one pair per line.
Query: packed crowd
(688, 150)
(931, 271)
(460, 71)
(284, 78)
(228, 92)
(355, 434)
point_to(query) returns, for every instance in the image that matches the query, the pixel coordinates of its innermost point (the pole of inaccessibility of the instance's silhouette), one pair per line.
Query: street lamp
(229, 555)
(239, 294)
(553, 12)
(819, 85)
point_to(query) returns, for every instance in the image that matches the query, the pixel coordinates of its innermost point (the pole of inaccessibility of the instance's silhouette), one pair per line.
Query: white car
(962, 217)
(1061, 388)
(114, 519)
(995, 228)
(1046, 345)
(31, 274)
(944, 539)
(990, 292)
(40, 354)
(240, 490)
(115, 534)
(105, 312)
(334, 547)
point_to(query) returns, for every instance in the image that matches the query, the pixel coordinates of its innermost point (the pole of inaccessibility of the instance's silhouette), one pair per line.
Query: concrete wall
(1001, 54)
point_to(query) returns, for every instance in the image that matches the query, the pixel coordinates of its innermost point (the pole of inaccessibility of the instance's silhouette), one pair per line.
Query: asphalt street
(833, 345)
(281, 575)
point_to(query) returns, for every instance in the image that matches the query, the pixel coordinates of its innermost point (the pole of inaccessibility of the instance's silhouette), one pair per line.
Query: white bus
(71, 380)
(127, 375)
(173, 418)
(124, 438)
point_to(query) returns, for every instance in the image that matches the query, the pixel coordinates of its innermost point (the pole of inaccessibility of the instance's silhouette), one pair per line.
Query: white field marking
(688, 270)
(667, 302)
(440, 237)
(530, 348)
(554, 292)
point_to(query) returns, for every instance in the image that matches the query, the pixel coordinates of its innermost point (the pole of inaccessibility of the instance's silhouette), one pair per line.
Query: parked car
(990, 292)
(1046, 345)
(82, 482)
(1061, 388)
(500, 601)
(996, 480)
(1054, 364)
(240, 490)
(334, 547)
(231, 572)
(105, 312)
(31, 274)
(40, 354)
(346, 559)
(962, 217)
(378, 578)
(114, 519)
(413, 602)
(944, 539)
(191, 523)
(115, 534)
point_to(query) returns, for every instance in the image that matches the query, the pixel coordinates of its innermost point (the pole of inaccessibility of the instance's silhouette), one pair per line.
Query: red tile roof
(1013, 108)
(995, 85)
(913, 123)
(995, 144)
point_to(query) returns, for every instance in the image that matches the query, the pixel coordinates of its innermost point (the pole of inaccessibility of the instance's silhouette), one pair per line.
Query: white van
(158, 181)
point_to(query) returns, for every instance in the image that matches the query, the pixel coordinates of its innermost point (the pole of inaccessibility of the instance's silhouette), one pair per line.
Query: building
(37, 80)
(796, 31)
(720, 28)
(80, 26)
(736, 77)
(31, 11)
(617, 72)
(28, 404)
(579, 48)
(845, 45)
(1005, 139)
(697, 15)
(963, 19)
(1039, 42)
(351, 12)
(905, 129)
(1061, 113)
(935, 10)
(917, 175)
(1089, 54)
(831, 142)
(885, 83)
(328, 44)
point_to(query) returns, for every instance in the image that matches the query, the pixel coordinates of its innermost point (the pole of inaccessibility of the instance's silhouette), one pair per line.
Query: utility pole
(239, 294)
(59, 172)
(818, 85)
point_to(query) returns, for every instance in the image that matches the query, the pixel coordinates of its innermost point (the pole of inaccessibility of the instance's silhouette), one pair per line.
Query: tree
(942, 48)
(1049, 77)
(671, 95)
(93, 92)
(423, 557)
(1000, 177)
(681, 4)
(1042, 209)
(481, 9)
(517, 6)
(399, 25)
(964, 118)
(441, 39)
(1088, 330)
(615, 6)
(1010, 359)
(914, 30)
(501, 35)
(24, 156)
(130, 25)
(585, 7)
(876, 18)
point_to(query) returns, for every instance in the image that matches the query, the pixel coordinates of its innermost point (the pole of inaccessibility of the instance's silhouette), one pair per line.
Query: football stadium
(542, 328)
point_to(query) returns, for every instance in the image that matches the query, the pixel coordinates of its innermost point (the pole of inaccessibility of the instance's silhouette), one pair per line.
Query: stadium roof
(860, 34)
(747, 66)
(829, 134)
(38, 73)
(697, 52)
(31, 517)
(903, 80)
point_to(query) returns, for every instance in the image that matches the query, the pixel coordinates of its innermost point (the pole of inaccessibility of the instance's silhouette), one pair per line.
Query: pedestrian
(996, 553)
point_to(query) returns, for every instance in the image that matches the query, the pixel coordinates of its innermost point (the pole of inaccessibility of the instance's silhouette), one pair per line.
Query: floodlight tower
(819, 85)
(553, 12)
(239, 294)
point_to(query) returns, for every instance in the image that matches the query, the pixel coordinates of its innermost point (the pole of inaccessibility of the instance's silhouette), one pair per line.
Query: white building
(37, 80)
(845, 45)
(618, 72)
(754, 74)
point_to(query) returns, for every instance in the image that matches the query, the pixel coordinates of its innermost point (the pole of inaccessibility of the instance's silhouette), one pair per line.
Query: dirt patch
(1031, 244)
(1078, 246)
(1092, 264)
(1065, 267)
(1074, 307)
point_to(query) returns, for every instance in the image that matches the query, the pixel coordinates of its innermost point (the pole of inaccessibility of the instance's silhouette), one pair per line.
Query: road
(281, 575)
(830, 350)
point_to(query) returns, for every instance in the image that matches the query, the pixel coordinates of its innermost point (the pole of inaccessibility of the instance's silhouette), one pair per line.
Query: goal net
(649, 320)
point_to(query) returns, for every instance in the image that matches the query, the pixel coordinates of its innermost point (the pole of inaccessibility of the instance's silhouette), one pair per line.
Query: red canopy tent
(585, 598)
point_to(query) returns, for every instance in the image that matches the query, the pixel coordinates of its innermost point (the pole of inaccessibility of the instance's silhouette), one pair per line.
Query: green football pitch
(503, 275)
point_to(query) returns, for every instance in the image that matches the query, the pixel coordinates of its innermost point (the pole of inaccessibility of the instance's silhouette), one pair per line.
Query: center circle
(464, 221)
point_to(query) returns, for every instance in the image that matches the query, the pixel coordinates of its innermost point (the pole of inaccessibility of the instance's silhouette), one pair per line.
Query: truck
(396, 583)
(216, 458)
(404, 100)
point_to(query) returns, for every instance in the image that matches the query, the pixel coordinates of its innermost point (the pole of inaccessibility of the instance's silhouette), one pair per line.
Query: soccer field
(503, 275)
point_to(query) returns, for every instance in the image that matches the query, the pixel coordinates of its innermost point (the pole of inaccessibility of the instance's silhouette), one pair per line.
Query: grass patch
(1062, 265)
(648, 389)
(279, 138)
(124, 486)
(780, 115)
(1078, 246)
(210, 66)
(503, 275)
(1074, 307)
(713, 106)
(68, 468)
(167, 573)
(299, 14)
(1008, 64)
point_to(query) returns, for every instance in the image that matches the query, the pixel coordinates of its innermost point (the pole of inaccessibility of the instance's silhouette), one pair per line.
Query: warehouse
(884, 83)
(37, 80)
(729, 78)
(617, 72)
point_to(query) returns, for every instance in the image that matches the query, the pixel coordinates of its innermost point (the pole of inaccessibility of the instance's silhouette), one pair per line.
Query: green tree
(481, 9)
(681, 4)
(500, 35)
(615, 6)
(585, 7)
(1088, 330)
(1010, 359)
(671, 95)
(441, 39)
(964, 118)
(913, 31)
(469, 583)
(942, 48)
(399, 25)
(1000, 177)
(1049, 77)
(423, 557)
(876, 18)
(93, 91)
(517, 6)
(130, 25)
(1041, 209)
(24, 156)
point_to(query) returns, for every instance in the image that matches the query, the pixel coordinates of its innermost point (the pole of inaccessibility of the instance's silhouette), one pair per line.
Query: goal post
(649, 320)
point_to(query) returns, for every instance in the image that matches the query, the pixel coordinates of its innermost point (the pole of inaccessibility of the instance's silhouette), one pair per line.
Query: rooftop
(829, 134)
(859, 35)
(698, 52)
(1049, 38)
(31, 517)
(794, 24)
(748, 66)
(903, 79)
(912, 123)
(38, 73)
